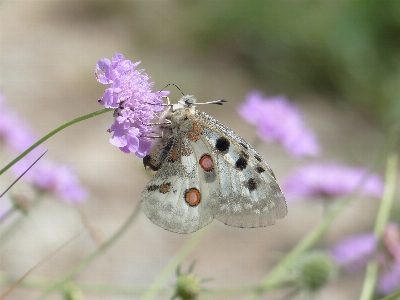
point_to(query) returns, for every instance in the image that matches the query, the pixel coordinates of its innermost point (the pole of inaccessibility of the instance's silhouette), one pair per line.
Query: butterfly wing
(248, 194)
(165, 198)
(206, 171)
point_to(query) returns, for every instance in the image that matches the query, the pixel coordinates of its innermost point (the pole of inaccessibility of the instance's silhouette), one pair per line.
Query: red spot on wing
(164, 188)
(206, 162)
(192, 196)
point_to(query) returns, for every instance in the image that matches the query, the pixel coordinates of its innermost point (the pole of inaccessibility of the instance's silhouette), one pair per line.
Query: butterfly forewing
(249, 195)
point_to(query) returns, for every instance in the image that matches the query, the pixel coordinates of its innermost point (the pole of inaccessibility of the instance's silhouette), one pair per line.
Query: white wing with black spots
(206, 171)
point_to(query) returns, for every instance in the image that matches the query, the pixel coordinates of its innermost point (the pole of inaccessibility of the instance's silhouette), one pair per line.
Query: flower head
(46, 176)
(15, 133)
(188, 286)
(389, 281)
(314, 270)
(353, 254)
(277, 120)
(59, 180)
(129, 92)
(329, 179)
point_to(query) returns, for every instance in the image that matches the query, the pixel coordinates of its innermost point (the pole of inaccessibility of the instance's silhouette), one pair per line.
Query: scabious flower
(277, 120)
(354, 252)
(47, 176)
(331, 179)
(129, 92)
(15, 133)
(59, 180)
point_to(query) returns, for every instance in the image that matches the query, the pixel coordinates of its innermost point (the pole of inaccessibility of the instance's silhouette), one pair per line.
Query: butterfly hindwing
(168, 208)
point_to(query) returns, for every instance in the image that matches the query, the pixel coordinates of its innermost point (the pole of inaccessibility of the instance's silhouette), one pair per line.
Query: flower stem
(275, 275)
(186, 248)
(47, 136)
(380, 224)
(59, 284)
(393, 296)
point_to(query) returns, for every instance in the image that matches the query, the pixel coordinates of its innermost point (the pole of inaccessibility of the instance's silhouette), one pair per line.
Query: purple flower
(129, 92)
(389, 280)
(17, 136)
(329, 179)
(277, 120)
(14, 132)
(353, 253)
(58, 180)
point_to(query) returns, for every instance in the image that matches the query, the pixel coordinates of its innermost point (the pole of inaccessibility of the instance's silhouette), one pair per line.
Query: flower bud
(314, 270)
(188, 287)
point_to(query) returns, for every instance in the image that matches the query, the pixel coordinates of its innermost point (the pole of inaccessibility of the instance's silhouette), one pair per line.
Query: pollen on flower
(129, 93)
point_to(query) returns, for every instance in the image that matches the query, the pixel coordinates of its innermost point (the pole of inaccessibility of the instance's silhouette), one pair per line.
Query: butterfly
(204, 171)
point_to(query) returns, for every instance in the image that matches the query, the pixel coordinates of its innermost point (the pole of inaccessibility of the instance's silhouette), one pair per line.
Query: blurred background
(338, 61)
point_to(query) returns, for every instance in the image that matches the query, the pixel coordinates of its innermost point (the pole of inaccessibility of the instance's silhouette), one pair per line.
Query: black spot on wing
(152, 188)
(251, 184)
(222, 144)
(241, 163)
(260, 169)
(243, 145)
(258, 157)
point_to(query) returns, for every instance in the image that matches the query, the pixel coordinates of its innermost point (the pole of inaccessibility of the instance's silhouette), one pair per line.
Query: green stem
(186, 248)
(371, 274)
(47, 136)
(39, 283)
(274, 276)
(393, 296)
(59, 284)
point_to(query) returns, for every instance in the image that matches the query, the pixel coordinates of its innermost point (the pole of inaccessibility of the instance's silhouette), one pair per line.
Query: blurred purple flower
(59, 180)
(389, 281)
(14, 132)
(129, 92)
(277, 120)
(329, 179)
(17, 136)
(353, 253)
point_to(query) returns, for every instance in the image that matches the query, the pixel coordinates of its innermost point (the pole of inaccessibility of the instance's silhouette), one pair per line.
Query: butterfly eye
(189, 102)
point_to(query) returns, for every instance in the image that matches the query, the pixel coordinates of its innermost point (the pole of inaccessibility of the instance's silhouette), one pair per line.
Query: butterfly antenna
(218, 102)
(174, 86)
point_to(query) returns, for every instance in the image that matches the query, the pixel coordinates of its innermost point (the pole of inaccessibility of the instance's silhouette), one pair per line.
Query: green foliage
(346, 49)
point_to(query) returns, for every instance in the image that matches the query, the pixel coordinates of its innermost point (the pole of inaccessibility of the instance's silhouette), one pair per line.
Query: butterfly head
(186, 102)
